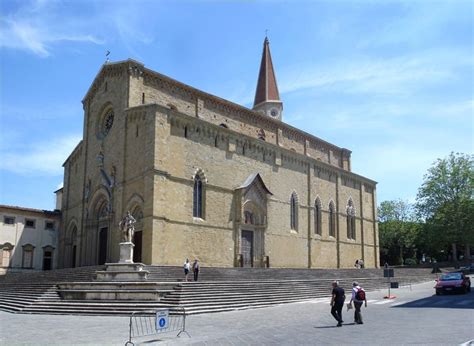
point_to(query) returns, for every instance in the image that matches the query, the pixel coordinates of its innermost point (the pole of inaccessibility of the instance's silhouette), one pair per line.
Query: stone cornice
(246, 114)
(209, 129)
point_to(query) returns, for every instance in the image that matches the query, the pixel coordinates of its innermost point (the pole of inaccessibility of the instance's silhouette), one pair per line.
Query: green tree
(445, 201)
(398, 231)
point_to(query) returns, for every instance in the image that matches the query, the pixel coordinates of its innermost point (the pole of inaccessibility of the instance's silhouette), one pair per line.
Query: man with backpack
(358, 297)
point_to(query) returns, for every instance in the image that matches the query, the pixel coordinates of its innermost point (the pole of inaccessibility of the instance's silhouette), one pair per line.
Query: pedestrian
(361, 264)
(356, 264)
(358, 297)
(337, 302)
(187, 267)
(196, 269)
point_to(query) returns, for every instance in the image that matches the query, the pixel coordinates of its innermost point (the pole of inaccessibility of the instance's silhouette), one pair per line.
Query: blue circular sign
(162, 322)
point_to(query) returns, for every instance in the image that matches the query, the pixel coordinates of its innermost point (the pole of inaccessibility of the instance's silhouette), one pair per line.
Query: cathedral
(209, 179)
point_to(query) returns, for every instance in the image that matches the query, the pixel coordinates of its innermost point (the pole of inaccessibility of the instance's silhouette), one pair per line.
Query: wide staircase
(218, 289)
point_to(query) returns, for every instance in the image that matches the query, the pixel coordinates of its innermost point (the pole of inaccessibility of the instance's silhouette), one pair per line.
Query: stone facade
(149, 139)
(28, 239)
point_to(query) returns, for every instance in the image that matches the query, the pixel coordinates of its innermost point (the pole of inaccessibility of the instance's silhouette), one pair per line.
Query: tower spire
(267, 97)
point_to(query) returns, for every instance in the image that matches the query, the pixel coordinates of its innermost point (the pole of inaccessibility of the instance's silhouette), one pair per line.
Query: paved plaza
(416, 316)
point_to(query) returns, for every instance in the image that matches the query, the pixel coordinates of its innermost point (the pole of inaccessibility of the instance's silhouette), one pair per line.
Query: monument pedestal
(125, 269)
(126, 252)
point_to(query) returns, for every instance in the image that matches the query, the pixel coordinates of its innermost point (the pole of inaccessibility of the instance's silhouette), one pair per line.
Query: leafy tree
(398, 231)
(445, 201)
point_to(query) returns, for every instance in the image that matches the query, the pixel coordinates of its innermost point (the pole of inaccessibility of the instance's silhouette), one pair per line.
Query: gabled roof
(267, 89)
(249, 181)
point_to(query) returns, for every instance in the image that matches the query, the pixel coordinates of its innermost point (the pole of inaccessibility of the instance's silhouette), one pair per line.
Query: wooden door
(247, 248)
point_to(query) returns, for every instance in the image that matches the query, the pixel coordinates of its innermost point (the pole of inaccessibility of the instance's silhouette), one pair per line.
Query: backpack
(360, 295)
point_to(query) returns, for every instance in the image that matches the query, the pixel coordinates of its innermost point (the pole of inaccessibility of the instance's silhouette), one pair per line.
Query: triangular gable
(254, 178)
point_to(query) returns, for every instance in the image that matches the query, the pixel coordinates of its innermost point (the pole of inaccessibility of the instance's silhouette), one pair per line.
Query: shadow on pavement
(344, 324)
(450, 301)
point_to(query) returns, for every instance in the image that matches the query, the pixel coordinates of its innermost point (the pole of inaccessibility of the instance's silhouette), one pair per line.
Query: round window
(107, 122)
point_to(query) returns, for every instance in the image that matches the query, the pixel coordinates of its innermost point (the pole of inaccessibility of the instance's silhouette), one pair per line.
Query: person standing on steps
(196, 269)
(337, 302)
(358, 297)
(187, 267)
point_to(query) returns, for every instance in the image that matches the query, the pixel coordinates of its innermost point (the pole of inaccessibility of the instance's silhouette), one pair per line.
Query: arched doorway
(73, 252)
(252, 235)
(138, 235)
(103, 232)
(250, 238)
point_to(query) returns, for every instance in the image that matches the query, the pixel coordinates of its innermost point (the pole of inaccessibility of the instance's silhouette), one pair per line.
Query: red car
(452, 282)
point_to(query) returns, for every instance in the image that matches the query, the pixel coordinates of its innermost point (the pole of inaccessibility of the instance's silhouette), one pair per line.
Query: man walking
(196, 269)
(337, 302)
(358, 297)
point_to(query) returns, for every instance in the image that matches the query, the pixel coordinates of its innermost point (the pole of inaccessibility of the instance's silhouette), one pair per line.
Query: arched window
(6, 254)
(332, 220)
(350, 210)
(294, 211)
(317, 216)
(198, 197)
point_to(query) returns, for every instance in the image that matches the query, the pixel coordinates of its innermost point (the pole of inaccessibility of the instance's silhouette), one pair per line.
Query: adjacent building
(209, 179)
(28, 238)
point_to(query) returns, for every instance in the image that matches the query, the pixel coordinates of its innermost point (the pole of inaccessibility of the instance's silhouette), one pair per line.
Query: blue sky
(390, 80)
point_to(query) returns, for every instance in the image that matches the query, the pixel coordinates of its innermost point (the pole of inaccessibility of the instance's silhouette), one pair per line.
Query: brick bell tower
(267, 97)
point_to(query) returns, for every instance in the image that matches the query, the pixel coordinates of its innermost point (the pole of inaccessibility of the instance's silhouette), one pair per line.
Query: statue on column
(127, 227)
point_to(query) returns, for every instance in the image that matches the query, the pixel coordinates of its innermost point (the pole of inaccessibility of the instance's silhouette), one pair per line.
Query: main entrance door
(103, 245)
(247, 248)
(73, 259)
(137, 250)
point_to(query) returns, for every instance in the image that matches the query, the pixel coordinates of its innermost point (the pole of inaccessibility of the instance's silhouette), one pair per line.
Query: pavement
(416, 316)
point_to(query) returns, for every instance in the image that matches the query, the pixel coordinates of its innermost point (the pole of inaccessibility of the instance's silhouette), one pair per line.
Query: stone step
(231, 307)
(96, 305)
(249, 300)
(88, 311)
(10, 308)
(219, 289)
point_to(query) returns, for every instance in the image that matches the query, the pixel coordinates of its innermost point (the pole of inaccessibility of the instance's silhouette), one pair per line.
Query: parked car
(468, 269)
(453, 282)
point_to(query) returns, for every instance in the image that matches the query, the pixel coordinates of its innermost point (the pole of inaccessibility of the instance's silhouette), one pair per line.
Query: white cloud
(37, 28)
(419, 22)
(40, 159)
(399, 75)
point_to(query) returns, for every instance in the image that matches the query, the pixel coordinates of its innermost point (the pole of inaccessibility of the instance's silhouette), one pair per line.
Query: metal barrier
(154, 322)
